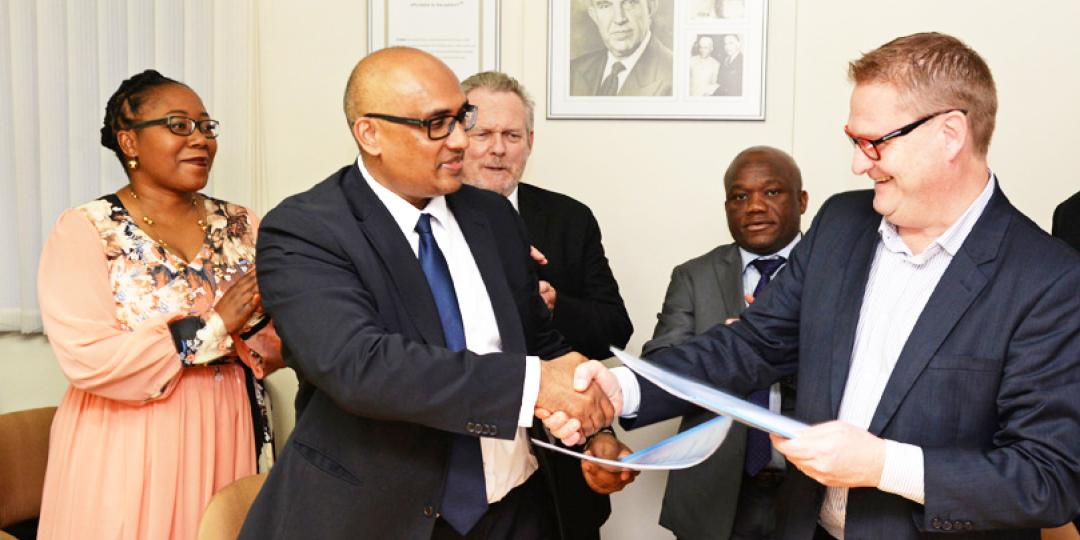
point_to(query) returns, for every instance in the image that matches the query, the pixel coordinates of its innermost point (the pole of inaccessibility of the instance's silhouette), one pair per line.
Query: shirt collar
(513, 198)
(785, 252)
(630, 61)
(953, 238)
(405, 214)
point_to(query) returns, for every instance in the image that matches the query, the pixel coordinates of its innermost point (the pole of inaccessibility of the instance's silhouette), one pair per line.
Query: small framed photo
(464, 33)
(657, 59)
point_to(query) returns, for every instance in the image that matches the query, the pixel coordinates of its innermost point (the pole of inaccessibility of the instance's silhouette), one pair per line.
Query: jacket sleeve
(675, 322)
(597, 319)
(336, 339)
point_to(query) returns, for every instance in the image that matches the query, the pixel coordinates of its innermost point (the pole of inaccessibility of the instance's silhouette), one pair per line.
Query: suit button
(935, 523)
(470, 427)
(958, 525)
(968, 525)
(429, 511)
(946, 526)
(494, 430)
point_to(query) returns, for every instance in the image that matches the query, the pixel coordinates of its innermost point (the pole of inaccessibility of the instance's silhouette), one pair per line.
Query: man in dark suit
(632, 63)
(935, 329)
(730, 495)
(407, 306)
(576, 282)
(1067, 221)
(729, 77)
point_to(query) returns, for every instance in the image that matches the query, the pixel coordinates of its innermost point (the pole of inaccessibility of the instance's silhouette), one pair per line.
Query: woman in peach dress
(150, 302)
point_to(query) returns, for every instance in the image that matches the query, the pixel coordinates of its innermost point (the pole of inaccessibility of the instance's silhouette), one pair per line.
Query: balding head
(764, 199)
(779, 161)
(402, 83)
(387, 76)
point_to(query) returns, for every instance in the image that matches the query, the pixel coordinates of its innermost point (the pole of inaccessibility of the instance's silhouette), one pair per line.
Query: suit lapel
(482, 245)
(728, 274)
(959, 286)
(396, 255)
(847, 320)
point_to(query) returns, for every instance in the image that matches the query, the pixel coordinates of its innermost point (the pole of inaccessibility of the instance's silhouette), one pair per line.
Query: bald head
(777, 160)
(388, 77)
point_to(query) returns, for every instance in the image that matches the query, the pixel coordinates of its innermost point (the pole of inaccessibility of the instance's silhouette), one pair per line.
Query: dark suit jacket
(700, 502)
(651, 75)
(729, 77)
(379, 394)
(1067, 221)
(986, 384)
(588, 311)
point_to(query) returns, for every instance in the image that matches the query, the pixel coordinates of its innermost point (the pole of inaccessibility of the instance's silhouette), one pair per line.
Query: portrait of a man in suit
(632, 62)
(729, 78)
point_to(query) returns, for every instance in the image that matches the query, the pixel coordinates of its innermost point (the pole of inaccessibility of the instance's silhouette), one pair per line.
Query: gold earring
(132, 163)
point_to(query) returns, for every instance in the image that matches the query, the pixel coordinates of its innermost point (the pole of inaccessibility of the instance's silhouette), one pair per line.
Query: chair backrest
(225, 513)
(24, 452)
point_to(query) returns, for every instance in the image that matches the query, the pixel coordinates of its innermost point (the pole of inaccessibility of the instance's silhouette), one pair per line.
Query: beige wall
(654, 185)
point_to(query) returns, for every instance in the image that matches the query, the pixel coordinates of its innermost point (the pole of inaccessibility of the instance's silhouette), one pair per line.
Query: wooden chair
(24, 452)
(225, 513)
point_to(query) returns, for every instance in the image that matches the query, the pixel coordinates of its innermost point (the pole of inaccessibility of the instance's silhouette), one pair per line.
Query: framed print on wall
(657, 59)
(463, 33)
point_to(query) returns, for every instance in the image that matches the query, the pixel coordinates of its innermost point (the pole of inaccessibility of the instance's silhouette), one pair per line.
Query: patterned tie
(465, 497)
(758, 447)
(610, 86)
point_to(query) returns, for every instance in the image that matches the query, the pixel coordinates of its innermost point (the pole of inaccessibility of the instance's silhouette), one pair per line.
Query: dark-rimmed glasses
(184, 126)
(438, 127)
(870, 147)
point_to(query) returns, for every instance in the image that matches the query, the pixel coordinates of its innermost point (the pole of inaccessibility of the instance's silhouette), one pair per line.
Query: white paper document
(711, 399)
(679, 451)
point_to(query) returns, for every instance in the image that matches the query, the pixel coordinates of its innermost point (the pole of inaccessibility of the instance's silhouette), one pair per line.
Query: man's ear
(530, 138)
(366, 133)
(956, 131)
(803, 200)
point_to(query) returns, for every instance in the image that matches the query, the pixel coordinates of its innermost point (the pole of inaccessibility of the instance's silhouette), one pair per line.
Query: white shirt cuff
(631, 392)
(530, 392)
(903, 471)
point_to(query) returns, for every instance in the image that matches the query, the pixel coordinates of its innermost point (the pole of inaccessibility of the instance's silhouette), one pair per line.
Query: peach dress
(164, 408)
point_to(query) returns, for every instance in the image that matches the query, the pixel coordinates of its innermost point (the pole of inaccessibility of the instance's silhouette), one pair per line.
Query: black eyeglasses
(438, 127)
(870, 147)
(184, 126)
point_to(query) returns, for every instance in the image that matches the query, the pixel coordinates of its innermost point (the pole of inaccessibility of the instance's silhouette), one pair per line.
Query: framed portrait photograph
(657, 59)
(463, 33)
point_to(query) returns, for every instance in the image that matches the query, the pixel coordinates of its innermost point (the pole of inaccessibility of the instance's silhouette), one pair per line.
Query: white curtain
(60, 60)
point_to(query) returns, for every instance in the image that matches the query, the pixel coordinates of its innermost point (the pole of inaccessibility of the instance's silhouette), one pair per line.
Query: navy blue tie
(465, 497)
(758, 447)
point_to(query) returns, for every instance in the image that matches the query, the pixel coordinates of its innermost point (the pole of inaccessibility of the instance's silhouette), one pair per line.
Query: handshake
(577, 397)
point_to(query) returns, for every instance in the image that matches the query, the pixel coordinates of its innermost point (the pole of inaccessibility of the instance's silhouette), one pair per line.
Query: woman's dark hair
(125, 103)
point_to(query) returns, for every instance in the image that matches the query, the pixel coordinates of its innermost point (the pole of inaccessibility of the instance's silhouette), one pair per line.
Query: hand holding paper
(836, 454)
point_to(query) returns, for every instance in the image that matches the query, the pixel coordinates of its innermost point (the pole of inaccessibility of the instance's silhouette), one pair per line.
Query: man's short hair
(935, 72)
(497, 81)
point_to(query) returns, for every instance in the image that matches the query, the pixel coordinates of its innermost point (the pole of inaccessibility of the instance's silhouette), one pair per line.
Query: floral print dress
(165, 407)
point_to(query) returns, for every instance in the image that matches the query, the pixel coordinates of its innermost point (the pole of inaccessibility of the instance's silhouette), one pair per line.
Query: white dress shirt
(897, 290)
(628, 62)
(507, 464)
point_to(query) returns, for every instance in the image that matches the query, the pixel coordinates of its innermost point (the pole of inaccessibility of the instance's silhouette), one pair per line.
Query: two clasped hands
(578, 397)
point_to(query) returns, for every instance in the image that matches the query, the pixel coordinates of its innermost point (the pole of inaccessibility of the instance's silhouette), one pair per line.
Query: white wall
(655, 185)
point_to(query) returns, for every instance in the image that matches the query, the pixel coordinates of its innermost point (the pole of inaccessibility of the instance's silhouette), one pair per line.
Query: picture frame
(689, 59)
(464, 33)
